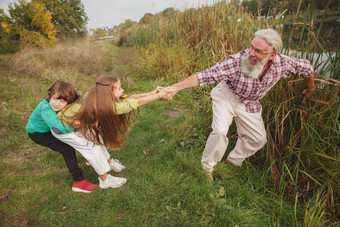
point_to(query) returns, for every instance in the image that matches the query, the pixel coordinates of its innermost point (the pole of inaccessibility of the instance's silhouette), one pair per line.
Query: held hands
(165, 92)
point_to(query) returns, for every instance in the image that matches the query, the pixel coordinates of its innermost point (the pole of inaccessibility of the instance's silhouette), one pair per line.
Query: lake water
(329, 33)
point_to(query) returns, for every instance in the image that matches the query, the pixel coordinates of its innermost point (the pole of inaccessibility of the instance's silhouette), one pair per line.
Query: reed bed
(301, 158)
(184, 42)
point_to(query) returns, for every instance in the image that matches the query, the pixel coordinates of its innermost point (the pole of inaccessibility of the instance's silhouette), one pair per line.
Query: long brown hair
(65, 91)
(99, 122)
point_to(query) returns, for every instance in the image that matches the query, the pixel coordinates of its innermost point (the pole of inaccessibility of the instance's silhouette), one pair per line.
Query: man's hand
(310, 86)
(308, 92)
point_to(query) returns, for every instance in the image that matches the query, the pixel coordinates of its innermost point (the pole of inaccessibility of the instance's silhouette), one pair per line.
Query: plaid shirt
(250, 90)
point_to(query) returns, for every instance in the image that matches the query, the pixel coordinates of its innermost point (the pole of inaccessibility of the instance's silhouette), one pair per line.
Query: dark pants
(68, 153)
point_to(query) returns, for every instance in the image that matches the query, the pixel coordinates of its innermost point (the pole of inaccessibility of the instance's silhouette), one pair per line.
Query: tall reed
(192, 40)
(301, 158)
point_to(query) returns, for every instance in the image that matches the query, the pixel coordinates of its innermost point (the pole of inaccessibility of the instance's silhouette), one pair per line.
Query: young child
(44, 117)
(101, 119)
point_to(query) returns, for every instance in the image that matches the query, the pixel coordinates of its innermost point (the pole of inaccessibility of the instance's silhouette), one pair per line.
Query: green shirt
(44, 118)
(122, 107)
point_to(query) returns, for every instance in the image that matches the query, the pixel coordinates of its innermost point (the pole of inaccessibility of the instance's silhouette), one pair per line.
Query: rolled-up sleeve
(219, 72)
(296, 66)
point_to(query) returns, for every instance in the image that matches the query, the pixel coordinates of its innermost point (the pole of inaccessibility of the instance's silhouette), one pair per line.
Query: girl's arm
(137, 96)
(129, 104)
(162, 92)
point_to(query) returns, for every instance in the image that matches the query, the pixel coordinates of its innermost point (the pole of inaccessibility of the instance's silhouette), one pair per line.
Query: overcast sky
(108, 13)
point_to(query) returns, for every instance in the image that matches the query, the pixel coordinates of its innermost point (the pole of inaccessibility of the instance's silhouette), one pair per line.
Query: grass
(166, 186)
(293, 181)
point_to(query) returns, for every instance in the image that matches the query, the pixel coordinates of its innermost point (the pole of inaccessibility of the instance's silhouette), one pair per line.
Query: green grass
(293, 181)
(165, 187)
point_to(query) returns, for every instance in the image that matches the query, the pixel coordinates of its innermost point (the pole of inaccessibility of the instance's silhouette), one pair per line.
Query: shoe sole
(80, 190)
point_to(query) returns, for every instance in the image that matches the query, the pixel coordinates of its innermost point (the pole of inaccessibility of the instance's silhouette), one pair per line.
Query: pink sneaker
(83, 186)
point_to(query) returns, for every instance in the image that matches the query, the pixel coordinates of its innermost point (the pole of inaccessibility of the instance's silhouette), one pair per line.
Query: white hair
(272, 37)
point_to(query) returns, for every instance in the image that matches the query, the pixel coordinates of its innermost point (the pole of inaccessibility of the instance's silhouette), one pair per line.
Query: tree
(68, 16)
(168, 12)
(128, 23)
(9, 41)
(31, 23)
(99, 32)
(264, 6)
(147, 18)
(250, 5)
(5, 21)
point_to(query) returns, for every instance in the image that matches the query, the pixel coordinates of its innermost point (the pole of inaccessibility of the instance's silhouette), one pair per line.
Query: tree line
(40, 23)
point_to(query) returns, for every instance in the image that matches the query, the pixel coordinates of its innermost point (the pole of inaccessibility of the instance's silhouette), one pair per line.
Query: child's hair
(65, 91)
(99, 122)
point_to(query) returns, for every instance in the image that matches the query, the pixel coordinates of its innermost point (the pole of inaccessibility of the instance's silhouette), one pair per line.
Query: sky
(109, 13)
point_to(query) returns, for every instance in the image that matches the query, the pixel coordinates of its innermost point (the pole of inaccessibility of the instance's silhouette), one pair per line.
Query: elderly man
(244, 79)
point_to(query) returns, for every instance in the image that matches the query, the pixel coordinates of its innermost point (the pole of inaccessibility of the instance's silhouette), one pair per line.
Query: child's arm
(161, 93)
(129, 104)
(137, 96)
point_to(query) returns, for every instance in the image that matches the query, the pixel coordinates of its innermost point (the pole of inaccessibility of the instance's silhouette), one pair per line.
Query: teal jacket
(44, 118)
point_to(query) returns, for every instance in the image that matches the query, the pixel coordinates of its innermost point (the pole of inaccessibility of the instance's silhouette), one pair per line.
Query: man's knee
(220, 132)
(261, 140)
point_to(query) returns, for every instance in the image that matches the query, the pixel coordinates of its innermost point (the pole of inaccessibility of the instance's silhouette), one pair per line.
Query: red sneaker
(88, 163)
(83, 186)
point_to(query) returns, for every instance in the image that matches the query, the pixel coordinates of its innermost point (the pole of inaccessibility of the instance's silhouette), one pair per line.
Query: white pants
(250, 129)
(96, 155)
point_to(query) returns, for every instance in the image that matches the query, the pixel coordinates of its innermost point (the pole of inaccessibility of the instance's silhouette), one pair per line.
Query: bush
(9, 46)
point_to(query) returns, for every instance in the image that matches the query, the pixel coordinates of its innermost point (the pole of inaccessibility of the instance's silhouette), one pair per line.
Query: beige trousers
(250, 129)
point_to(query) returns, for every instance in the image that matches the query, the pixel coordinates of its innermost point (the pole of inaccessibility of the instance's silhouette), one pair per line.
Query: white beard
(253, 71)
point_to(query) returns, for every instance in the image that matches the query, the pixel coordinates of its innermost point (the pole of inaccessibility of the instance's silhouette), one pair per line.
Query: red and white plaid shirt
(250, 90)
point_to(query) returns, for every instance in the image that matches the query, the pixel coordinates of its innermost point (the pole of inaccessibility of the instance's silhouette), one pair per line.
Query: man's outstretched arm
(190, 82)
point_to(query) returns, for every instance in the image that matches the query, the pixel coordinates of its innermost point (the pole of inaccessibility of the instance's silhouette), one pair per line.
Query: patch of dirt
(18, 158)
(173, 113)
(5, 196)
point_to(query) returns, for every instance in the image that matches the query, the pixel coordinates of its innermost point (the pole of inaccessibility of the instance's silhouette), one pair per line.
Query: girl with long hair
(101, 118)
